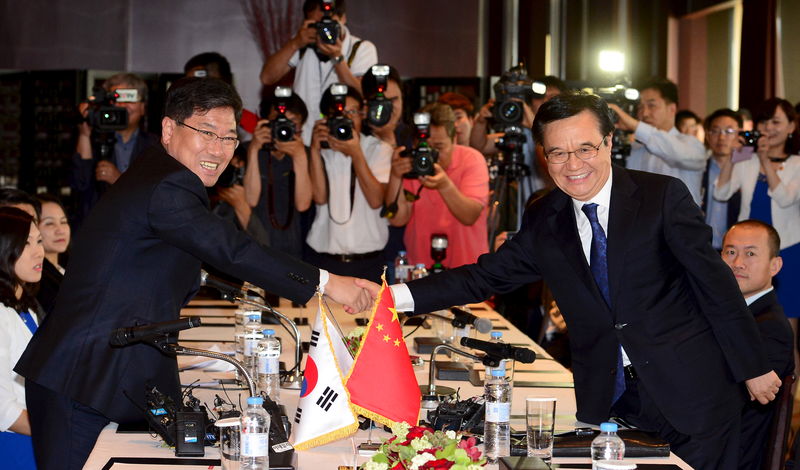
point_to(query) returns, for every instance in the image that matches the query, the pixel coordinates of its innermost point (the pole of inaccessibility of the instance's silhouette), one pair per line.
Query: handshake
(356, 295)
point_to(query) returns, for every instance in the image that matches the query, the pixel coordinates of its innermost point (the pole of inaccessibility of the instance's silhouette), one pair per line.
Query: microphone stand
(169, 345)
(295, 379)
(431, 393)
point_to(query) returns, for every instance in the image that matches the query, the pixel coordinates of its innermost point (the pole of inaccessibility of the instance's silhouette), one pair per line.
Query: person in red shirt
(452, 201)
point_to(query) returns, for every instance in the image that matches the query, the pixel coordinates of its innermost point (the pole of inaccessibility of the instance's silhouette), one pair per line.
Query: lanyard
(27, 319)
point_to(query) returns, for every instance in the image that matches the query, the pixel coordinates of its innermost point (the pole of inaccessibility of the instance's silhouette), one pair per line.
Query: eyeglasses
(722, 132)
(208, 136)
(585, 152)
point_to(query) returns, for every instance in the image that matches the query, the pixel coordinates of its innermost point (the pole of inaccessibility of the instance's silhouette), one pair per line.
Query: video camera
(627, 98)
(513, 90)
(282, 127)
(328, 29)
(340, 126)
(424, 156)
(103, 115)
(379, 108)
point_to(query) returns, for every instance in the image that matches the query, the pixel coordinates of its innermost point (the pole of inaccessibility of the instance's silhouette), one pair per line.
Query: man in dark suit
(137, 261)
(653, 296)
(751, 248)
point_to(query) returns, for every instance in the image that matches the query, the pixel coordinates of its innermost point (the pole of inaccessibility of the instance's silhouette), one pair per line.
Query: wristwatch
(338, 59)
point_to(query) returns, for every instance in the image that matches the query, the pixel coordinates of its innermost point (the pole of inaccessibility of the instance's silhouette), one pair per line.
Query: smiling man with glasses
(137, 262)
(722, 130)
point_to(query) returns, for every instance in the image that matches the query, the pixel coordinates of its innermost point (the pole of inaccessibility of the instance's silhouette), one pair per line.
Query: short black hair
(311, 5)
(213, 62)
(773, 239)
(14, 196)
(666, 88)
(191, 95)
(571, 104)
(554, 82)
(326, 103)
(722, 112)
(370, 86)
(294, 104)
(684, 114)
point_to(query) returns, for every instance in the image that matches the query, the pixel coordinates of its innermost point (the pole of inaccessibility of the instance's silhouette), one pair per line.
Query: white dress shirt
(749, 300)
(14, 338)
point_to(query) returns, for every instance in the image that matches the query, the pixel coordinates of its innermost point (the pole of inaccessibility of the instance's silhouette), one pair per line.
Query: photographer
(452, 201)
(277, 184)
(317, 64)
(91, 173)
(463, 110)
(349, 181)
(395, 132)
(660, 147)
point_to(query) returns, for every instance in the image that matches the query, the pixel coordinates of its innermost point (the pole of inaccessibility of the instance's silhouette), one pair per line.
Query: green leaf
(380, 458)
(460, 457)
(447, 452)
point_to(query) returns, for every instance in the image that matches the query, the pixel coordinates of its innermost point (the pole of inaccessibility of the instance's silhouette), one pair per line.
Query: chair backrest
(781, 423)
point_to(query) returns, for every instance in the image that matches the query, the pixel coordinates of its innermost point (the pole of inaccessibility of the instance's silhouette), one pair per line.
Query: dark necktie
(598, 262)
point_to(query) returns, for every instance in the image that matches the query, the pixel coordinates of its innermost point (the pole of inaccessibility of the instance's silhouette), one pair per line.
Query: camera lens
(379, 113)
(510, 111)
(283, 131)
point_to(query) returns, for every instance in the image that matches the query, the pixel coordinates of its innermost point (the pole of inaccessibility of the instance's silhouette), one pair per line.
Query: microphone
(501, 350)
(462, 318)
(225, 287)
(134, 334)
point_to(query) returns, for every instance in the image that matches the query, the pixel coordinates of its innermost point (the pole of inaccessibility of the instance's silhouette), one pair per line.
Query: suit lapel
(621, 226)
(565, 230)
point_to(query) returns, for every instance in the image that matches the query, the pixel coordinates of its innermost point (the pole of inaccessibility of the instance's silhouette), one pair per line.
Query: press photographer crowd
(652, 252)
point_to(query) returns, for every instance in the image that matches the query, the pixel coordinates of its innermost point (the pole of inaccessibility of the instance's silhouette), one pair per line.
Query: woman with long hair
(21, 257)
(55, 231)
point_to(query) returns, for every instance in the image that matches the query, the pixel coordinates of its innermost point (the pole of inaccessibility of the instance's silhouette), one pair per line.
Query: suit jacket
(677, 309)
(778, 339)
(135, 261)
(48, 288)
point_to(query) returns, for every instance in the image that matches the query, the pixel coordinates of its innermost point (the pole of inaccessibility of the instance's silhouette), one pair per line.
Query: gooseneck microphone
(225, 287)
(501, 350)
(462, 318)
(134, 334)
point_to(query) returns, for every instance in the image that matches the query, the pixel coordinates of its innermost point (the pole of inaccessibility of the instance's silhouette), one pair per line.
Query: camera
(438, 251)
(424, 156)
(282, 127)
(230, 176)
(459, 415)
(340, 126)
(513, 89)
(627, 98)
(328, 29)
(103, 115)
(379, 108)
(750, 138)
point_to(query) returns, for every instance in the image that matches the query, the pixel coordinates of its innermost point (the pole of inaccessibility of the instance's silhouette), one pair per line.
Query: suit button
(620, 326)
(614, 371)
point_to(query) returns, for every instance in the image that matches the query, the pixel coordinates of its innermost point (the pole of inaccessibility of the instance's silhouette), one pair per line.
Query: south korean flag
(323, 413)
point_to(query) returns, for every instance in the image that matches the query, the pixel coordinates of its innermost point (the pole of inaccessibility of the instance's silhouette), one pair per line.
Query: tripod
(506, 207)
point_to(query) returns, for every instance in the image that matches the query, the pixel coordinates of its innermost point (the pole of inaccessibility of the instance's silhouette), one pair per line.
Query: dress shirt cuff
(323, 280)
(403, 301)
(643, 132)
(10, 415)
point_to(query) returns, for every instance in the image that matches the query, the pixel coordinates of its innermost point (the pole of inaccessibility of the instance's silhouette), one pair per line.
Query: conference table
(142, 450)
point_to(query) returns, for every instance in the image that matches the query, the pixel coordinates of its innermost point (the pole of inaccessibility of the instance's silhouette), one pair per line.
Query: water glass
(540, 416)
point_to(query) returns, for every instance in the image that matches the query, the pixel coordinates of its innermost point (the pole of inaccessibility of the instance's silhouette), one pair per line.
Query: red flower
(440, 464)
(469, 446)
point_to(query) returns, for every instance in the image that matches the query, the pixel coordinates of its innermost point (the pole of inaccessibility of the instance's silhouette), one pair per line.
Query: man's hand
(331, 50)
(527, 116)
(305, 35)
(400, 164)
(371, 288)
(351, 147)
(485, 112)
(347, 291)
(764, 388)
(262, 135)
(319, 134)
(107, 172)
(625, 121)
(233, 195)
(294, 148)
(438, 181)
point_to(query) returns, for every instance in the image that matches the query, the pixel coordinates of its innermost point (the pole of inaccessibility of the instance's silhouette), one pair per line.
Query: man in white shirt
(751, 248)
(660, 147)
(318, 65)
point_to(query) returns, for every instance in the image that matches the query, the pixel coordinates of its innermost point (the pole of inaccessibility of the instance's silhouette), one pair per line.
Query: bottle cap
(255, 401)
(608, 427)
(420, 265)
(498, 372)
(497, 334)
(401, 253)
(269, 331)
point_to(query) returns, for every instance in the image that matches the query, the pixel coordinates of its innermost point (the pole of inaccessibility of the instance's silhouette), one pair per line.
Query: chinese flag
(382, 383)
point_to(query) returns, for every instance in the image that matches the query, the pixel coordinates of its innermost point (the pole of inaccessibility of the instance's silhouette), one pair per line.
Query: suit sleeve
(511, 266)
(178, 214)
(714, 286)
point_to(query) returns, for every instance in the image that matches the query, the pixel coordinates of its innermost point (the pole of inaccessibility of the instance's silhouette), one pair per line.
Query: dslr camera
(283, 129)
(340, 126)
(328, 29)
(103, 115)
(379, 108)
(750, 138)
(423, 155)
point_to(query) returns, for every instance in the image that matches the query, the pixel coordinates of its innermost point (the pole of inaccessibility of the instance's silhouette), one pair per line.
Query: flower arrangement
(421, 448)
(353, 339)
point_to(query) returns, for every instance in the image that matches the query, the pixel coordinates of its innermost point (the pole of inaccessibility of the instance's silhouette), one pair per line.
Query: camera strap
(352, 194)
(273, 217)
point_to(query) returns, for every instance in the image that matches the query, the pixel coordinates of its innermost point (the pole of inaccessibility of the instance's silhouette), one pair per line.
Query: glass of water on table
(540, 414)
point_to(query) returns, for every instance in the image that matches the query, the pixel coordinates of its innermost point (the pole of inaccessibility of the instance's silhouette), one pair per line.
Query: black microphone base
(451, 370)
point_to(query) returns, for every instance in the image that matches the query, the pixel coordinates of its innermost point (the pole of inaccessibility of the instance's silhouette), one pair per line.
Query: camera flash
(338, 89)
(284, 92)
(421, 119)
(380, 70)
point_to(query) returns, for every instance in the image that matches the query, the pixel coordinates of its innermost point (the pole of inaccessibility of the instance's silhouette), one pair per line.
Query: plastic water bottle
(607, 445)
(254, 454)
(268, 356)
(496, 337)
(497, 431)
(252, 335)
(402, 268)
(419, 272)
